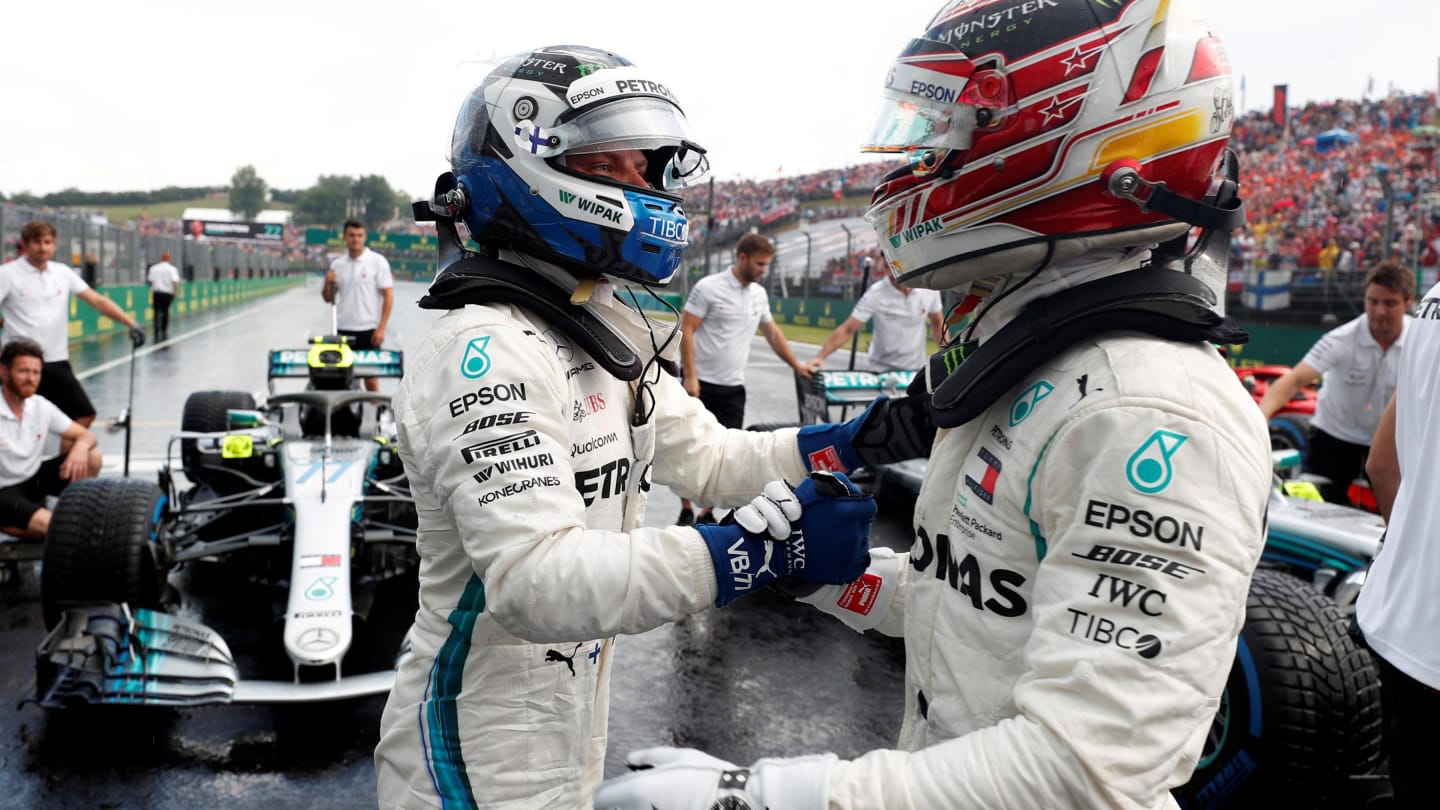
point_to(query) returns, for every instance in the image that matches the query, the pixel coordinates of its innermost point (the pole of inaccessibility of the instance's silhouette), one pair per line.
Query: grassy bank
(172, 210)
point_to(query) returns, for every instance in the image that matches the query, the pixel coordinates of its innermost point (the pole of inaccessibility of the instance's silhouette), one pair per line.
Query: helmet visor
(626, 123)
(651, 125)
(921, 110)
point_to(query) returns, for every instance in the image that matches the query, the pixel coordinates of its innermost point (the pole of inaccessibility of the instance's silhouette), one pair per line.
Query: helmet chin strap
(1209, 259)
(599, 297)
(443, 208)
(964, 381)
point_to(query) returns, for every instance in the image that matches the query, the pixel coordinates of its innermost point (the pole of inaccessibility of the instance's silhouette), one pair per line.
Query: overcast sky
(139, 95)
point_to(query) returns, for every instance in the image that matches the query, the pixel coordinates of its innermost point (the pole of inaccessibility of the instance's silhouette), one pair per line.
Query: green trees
(336, 198)
(325, 202)
(332, 200)
(74, 197)
(379, 200)
(247, 193)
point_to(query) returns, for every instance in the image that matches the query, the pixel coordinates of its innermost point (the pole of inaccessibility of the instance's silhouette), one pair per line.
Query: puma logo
(556, 655)
(765, 566)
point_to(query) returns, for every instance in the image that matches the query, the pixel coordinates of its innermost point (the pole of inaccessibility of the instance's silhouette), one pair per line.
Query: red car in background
(1290, 426)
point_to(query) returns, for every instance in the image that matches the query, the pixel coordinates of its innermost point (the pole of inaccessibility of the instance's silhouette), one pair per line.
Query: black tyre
(101, 546)
(1301, 710)
(1290, 431)
(205, 413)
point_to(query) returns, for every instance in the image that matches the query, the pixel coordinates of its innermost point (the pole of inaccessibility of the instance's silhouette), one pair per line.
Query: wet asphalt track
(763, 677)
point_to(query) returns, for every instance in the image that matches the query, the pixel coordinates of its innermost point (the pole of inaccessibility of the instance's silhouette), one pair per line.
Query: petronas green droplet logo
(321, 589)
(1026, 402)
(475, 362)
(1149, 469)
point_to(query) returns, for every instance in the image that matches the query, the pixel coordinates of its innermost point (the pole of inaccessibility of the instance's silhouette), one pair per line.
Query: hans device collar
(1153, 301)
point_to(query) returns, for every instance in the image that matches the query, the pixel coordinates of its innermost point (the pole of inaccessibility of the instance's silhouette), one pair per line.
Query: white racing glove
(687, 779)
(774, 511)
(862, 604)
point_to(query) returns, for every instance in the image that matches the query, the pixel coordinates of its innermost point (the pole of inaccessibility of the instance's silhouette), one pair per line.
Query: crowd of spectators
(1316, 200)
(742, 204)
(1316, 203)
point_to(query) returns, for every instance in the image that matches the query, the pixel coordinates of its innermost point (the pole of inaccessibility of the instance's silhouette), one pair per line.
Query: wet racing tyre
(205, 413)
(1290, 431)
(1300, 713)
(101, 546)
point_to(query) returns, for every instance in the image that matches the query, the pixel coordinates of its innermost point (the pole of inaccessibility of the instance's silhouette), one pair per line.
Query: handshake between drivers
(817, 532)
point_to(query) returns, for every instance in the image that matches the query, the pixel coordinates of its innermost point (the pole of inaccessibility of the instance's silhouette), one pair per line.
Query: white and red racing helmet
(1038, 131)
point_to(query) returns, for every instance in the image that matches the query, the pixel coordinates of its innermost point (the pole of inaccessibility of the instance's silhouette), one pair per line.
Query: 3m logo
(566, 197)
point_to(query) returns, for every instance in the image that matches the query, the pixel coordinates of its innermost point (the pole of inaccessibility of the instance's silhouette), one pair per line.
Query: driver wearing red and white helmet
(1093, 508)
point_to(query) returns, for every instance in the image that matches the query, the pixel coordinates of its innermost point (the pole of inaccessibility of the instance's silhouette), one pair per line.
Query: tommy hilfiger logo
(981, 474)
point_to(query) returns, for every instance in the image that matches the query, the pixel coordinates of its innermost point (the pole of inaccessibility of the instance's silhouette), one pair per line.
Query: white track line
(120, 361)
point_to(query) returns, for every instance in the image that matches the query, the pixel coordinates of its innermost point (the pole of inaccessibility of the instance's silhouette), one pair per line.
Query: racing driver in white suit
(531, 423)
(1093, 507)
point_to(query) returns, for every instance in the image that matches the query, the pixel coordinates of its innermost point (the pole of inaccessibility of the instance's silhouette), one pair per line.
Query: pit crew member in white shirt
(26, 420)
(903, 318)
(1360, 361)
(35, 305)
(360, 285)
(1397, 610)
(164, 279)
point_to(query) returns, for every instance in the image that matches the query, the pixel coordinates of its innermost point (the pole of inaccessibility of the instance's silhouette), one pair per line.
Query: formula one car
(302, 497)
(1299, 723)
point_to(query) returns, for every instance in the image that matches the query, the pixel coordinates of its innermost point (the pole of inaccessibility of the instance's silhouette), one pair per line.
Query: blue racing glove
(818, 531)
(889, 430)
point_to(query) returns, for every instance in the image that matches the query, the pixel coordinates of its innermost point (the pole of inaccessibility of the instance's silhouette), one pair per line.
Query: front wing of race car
(104, 653)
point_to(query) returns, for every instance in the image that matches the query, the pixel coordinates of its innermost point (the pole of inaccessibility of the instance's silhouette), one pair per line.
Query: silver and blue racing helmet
(512, 143)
